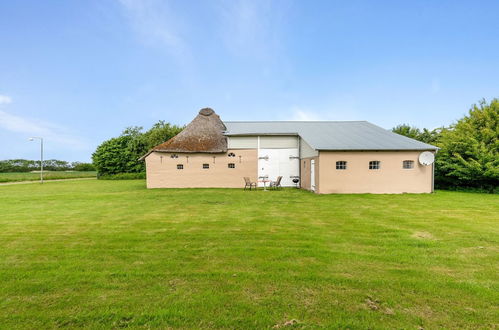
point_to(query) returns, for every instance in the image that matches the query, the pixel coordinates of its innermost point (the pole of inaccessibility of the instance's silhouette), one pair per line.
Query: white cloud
(5, 99)
(344, 109)
(156, 25)
(251, 27)
(33, 127)
(301, 114)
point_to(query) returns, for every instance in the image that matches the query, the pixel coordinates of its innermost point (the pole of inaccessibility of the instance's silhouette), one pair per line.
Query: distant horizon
(78, 73)
(89, 160)
(233, 121)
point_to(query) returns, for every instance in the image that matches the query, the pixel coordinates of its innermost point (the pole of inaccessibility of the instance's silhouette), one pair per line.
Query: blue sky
(78, 72)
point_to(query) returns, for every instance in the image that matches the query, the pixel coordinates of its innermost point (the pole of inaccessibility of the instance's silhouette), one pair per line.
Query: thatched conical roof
(204, 134)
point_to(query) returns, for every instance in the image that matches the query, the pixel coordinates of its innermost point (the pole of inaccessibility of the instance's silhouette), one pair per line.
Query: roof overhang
(360, 150)
(180, 152)
(261, 134)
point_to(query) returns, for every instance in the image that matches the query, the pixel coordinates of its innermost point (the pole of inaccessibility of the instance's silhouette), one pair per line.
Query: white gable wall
(306, 151)
(278, 155)
(278, 142)
(242, 142)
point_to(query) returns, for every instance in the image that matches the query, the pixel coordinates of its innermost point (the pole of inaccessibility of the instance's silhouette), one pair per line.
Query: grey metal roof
(331, 135)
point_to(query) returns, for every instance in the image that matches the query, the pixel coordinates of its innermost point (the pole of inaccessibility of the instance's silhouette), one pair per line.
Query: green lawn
(110, 254)
(47, 175)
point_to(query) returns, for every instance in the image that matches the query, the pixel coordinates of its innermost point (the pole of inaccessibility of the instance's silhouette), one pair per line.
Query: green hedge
(122, 176)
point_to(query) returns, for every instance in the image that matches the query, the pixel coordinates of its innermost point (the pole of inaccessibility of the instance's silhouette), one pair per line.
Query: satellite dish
(426, 158)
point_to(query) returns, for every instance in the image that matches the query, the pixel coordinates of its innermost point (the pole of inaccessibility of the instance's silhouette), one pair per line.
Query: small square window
(232, 165)
(180, 166)
(374, 165)
(408, 164)
(206, 166)
(341, 165)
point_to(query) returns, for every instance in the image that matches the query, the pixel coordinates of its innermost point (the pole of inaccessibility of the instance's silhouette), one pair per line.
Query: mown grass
(47, 175)
(109, 254)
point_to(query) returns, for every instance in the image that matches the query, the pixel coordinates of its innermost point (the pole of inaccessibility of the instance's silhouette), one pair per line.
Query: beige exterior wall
(357, 178)
(305, 165)
(162, 170)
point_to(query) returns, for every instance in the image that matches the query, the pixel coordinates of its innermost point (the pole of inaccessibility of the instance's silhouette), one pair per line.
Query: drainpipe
(433, 177)
(299, 159)
(433, 173)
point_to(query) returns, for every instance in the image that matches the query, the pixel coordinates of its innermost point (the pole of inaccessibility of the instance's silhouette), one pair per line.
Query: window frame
(408, 161)
(374, 164)
(233, 165)
(206, 166)
(180, 166)
(341, 165)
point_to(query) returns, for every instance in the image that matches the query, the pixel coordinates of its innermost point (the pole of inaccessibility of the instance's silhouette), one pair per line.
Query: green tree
(112, 156)
(407, 130)
(136, 147)
(121, 154)
(56, 165)
(25, 165)
(469, 154)
(79, 166)
(159, 133)
(425, 135)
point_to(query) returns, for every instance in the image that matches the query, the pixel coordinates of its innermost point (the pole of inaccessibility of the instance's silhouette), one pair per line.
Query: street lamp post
(41, 155)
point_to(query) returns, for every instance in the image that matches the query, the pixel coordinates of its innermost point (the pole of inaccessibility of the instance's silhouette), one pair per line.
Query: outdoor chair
(277, 183)
(248, 183)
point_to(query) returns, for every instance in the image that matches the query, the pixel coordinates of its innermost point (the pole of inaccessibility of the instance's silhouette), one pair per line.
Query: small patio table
(264, 181)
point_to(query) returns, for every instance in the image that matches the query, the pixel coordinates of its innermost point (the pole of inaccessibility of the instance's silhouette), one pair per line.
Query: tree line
(468, 156)
(26, 165)
(469, 149)
(121, 154)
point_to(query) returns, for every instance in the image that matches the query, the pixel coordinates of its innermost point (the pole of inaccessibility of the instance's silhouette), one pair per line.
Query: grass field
(54, 175)
(111, 254)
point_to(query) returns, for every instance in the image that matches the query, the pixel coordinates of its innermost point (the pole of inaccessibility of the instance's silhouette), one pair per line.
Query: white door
(278, 162)
(312, 175)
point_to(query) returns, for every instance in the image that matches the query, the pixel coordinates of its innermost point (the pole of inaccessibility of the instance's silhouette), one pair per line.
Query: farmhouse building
(326, 156)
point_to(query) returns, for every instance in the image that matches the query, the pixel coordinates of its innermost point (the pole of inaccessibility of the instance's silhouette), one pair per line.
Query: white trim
(312, 175)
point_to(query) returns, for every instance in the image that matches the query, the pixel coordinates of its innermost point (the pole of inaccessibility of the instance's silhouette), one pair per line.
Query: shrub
(83, 167)
(468, 158)
(469, 154)
(121, 154)
(123, 176)
(25, 165)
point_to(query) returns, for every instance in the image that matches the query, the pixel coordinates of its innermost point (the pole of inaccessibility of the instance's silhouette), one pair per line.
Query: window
(232, 165)
(408, 164)
(374, 164)
(180, 166)
(206, 166)
(341, 165)
(232, 154)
